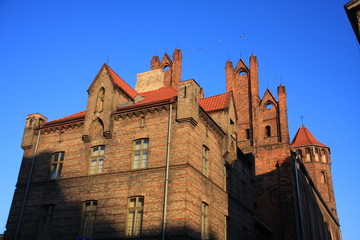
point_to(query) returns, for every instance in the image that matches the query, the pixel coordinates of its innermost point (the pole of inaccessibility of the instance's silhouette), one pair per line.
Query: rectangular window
(56, 164)
(45, 224)
(88, 218)
(205, 161)
(141, 152)
(97, 159)
(133, 224)
(204, 221)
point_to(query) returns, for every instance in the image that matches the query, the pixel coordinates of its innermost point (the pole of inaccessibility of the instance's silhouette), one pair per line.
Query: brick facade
(212, 168)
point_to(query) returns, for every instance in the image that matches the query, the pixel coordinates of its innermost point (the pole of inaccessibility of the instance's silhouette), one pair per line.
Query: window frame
(133, 225)
(99, 158)
(45, 222)
(204, 221)
(141, 152)
(88, 218)
(58, 163)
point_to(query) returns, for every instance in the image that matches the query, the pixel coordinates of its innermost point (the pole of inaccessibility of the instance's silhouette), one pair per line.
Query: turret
(316, 158)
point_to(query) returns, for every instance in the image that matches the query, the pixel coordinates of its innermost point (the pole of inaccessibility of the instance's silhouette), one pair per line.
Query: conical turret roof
(304, 137)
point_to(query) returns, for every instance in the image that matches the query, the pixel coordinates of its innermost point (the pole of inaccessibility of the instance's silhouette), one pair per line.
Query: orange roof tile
(304, 137)
(121, 83)
(216, 103)
(71, 117)
(158, 94)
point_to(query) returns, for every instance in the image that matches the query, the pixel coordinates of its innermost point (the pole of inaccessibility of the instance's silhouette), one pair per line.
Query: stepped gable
(216, 103)
(304, 137)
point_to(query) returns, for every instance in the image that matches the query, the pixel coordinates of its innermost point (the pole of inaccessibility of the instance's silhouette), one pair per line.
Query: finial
(302, 120)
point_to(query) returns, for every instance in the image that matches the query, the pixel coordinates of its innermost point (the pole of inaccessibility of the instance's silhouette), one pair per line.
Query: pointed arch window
(100, 100)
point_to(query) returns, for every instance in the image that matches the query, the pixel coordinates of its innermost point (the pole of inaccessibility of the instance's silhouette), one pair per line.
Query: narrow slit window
(268, 131)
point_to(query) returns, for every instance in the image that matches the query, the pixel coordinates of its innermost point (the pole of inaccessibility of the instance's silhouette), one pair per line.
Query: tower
(262, 128)
(316, 158)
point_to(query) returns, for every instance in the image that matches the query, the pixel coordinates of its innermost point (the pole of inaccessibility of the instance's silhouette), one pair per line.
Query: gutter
(167, 174)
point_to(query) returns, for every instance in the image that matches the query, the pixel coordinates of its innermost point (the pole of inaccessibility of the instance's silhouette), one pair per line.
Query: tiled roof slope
(121, 83)
(216, 103)
(158, 94)
(68, 118)
(304, 137)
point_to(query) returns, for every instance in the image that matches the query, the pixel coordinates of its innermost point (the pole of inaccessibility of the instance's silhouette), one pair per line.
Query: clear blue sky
(50, 51)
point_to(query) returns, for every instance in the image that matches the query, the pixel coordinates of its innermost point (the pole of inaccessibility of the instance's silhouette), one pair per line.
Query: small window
(166, 68)
(323, 177)
(268, 131)
(97, 159)
(204, 221)
(134, 216)
(247, 134)
(323, 156)
(269, 106)
(316, 154)
(45, 224)
(307, 155)
(205, 161)
(88, 218)
(141, 152)
(56, 165)
(242, 73)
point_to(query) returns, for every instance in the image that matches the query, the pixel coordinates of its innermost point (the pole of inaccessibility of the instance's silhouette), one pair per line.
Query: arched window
(316, 154)
(100, 100)
(268, 131)
(323, 177)
(323, 156)
(307, 155)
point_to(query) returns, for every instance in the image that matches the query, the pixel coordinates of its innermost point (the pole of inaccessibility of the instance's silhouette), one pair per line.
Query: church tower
(316, 158)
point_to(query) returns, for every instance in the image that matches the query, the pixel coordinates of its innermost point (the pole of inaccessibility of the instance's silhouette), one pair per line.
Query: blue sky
(51, 51)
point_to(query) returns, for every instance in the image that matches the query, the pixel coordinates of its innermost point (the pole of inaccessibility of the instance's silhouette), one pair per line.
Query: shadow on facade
(285, 198)
(67, 197)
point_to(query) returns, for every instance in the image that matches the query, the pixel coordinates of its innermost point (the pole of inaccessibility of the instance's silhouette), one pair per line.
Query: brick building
(162, 162)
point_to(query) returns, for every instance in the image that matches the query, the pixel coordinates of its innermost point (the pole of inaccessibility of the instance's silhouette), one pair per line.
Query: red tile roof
(304, 137)
(68, 118)
(158, 94)
(121, 83)
(216, 103)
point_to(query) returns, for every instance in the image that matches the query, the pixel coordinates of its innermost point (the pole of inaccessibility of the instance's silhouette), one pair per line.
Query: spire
(304, 137)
